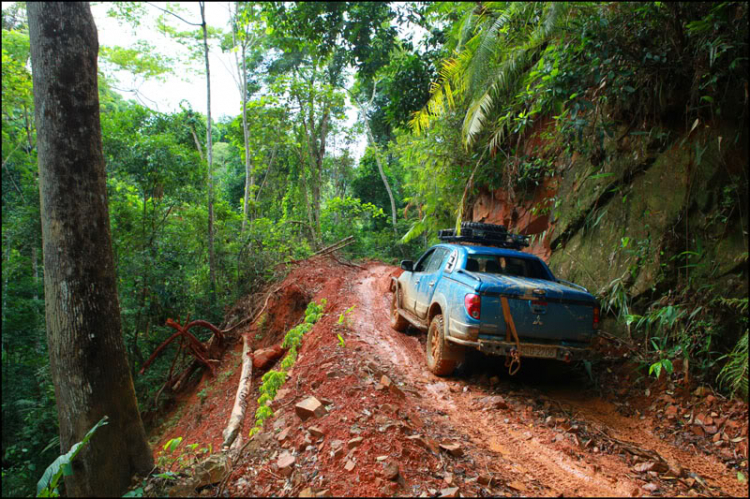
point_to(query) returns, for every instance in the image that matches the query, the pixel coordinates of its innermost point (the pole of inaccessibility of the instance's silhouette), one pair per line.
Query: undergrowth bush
(690, 325)
(273, 380)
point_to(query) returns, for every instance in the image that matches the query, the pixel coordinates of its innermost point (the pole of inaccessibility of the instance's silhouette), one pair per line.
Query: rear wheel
(442, 356)
(397, 320)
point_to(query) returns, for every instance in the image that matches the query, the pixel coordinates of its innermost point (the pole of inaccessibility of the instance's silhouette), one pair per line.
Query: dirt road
(390, 427)
(509, 443)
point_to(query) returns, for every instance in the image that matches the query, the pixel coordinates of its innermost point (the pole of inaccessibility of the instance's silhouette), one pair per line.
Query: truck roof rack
(499, 239)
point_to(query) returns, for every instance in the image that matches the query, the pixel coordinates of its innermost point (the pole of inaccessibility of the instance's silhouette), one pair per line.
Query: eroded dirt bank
(545, 432)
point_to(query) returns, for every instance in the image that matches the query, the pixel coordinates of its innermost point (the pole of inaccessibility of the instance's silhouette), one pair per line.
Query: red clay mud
(544, 432)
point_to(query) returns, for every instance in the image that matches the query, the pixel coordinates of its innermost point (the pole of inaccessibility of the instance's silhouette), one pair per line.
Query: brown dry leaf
(516, 485)
(698, 430)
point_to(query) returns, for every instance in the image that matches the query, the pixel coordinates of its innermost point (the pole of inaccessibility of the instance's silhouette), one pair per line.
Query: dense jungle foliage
(445, 113)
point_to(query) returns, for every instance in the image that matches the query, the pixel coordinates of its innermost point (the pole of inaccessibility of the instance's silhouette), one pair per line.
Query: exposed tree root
(198, 349)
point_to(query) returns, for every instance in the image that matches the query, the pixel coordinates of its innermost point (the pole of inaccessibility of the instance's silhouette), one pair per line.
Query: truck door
(425, 284)
(410, 286)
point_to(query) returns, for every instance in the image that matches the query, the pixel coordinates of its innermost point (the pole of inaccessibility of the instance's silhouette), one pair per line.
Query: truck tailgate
(541, 310)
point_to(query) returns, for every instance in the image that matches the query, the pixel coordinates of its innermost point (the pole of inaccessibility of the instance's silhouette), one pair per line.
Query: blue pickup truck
(467, 293)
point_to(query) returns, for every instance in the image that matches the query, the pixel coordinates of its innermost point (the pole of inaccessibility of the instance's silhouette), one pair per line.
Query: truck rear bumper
(463, 332)
(539, 350)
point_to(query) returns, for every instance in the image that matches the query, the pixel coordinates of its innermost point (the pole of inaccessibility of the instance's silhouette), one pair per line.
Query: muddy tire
(442, 356)
(397, 320)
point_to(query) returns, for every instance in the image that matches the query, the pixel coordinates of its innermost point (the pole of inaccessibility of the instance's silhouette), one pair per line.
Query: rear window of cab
(506, 265)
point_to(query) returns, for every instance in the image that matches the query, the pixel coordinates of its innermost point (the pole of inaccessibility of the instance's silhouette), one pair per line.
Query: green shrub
(272, 380)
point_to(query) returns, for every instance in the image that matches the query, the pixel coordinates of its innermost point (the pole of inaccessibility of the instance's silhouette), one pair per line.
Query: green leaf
(134, 493)
(61, 465)
(741, 477)
(668, 365)
(172, 444)
(628, 89)
(67, 469)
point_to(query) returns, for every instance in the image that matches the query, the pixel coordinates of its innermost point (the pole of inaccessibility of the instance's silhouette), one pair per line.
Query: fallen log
(333, 247)
(328, 249)
(240, 400)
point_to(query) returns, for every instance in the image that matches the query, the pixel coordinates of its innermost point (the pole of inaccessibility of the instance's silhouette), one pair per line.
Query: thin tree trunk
(7, 274)
(249, 177)
(382, 176)
(320, 154)
(374, 144)
(88, 359)
(305, 200)
(210, 157)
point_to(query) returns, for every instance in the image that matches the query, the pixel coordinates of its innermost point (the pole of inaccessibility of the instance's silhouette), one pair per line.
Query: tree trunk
(7, 274)
(210, 157)
(249, 177)
(382, 175)
(87, 352)
(371, 138)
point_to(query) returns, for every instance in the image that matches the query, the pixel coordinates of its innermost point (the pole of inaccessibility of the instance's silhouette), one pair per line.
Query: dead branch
(182, 379)
(265, 303)
(242, 322)
(631, 448)
(348, 264)
(328, 249)
(348, 240)
(240, 400)
(185, 375)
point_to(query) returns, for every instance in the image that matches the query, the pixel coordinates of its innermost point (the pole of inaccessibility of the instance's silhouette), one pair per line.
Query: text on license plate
(538, 351)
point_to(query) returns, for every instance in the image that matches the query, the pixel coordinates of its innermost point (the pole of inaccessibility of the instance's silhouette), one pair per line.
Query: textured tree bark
(87, 352)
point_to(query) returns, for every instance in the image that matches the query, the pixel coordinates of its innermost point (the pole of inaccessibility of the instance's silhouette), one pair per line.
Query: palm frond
(484, 56)
(467, 29)
(416, 229)
(505, 79)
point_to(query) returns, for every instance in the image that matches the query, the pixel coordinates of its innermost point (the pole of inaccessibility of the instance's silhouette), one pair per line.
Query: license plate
(538, 351)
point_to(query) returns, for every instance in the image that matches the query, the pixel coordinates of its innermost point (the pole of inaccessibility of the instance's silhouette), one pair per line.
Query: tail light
(472, 303)
(596, 318)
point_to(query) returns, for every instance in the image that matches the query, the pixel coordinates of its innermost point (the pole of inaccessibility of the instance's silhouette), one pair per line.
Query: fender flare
(438, 300)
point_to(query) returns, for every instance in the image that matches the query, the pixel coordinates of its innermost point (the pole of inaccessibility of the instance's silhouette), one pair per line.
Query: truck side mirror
(407, 265)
